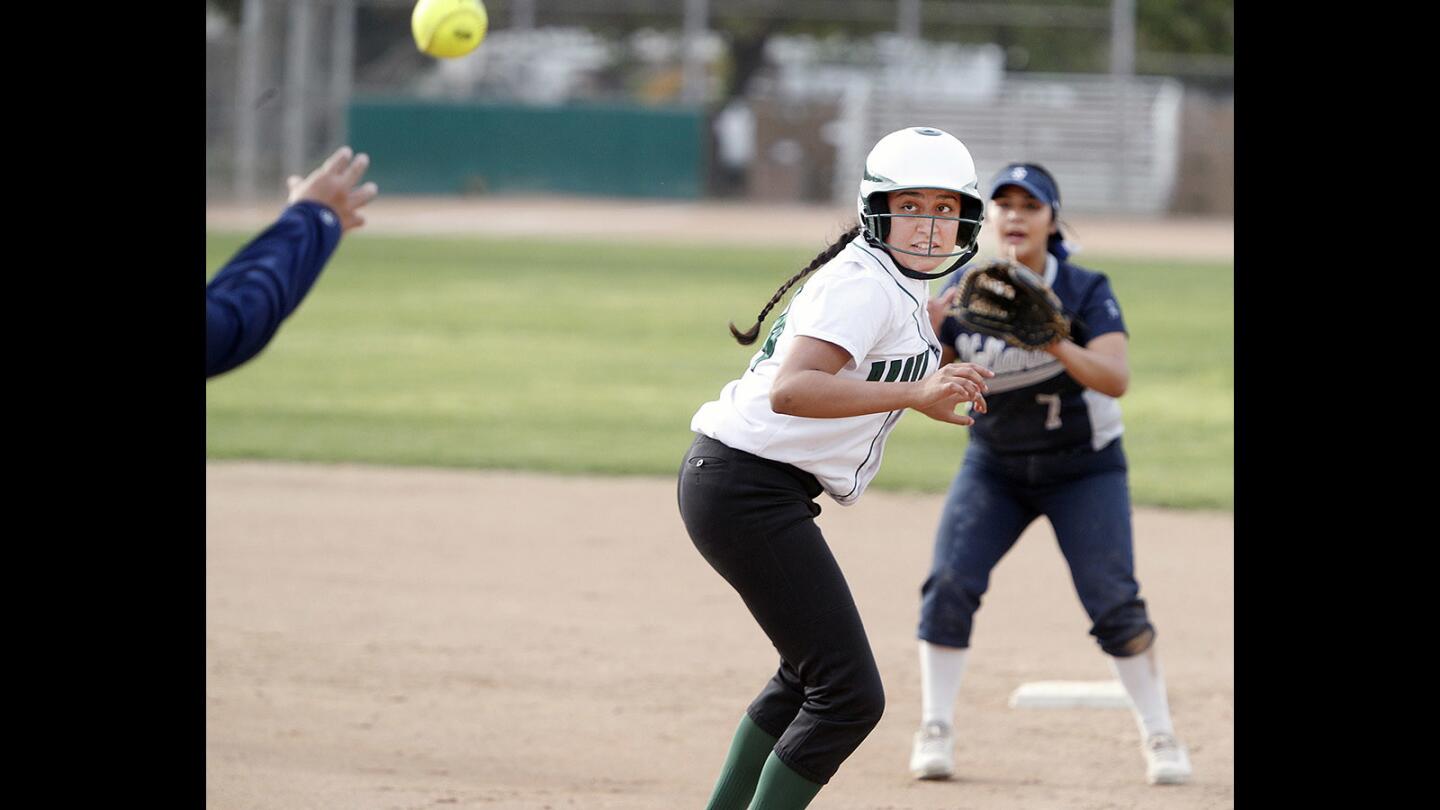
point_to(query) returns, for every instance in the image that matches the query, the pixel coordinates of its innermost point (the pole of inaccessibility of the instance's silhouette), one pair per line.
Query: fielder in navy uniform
(810, 414)
(250, 297)
(1048, 444)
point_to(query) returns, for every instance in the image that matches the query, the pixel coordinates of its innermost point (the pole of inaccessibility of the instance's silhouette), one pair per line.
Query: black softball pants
(753, 520)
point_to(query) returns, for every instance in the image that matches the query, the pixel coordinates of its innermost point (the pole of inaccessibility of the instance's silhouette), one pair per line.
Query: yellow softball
(448, 28)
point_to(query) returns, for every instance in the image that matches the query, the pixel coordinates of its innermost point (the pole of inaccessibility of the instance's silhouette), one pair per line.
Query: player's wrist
(913, 394)
(326, 215)
(316, 205)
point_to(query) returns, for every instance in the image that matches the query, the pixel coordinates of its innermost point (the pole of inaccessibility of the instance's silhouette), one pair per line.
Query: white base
(1070, 695)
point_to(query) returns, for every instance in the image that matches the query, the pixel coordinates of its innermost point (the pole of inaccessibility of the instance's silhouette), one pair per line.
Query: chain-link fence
(785, 115)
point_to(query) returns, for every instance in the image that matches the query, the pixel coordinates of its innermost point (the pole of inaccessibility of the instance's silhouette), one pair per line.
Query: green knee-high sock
(781, 788)
(742, 767)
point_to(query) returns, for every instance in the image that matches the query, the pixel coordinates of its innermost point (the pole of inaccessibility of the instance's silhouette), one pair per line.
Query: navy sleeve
(949, 330)
(949, 327)
(1100, 311)
(251, 295)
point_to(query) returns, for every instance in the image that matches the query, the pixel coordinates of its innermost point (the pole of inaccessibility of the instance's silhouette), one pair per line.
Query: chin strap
(959, 261)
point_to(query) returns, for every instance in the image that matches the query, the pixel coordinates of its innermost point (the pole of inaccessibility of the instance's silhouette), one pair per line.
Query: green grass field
(582, 358)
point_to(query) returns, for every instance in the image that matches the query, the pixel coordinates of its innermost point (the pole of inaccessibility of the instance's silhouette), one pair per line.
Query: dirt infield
(408, 638)
(718, 223)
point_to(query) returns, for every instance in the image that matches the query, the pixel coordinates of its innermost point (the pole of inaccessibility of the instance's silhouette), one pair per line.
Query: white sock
(940, 671)
(1145, 683)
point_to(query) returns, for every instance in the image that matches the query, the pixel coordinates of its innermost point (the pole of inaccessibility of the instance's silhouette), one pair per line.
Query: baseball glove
(1007, 300)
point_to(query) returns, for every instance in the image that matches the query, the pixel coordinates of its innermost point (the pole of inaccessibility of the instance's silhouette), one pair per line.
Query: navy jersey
(1035, 406)
(252, 294)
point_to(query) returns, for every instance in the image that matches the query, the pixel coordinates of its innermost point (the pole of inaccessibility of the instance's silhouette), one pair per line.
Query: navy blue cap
(1030, 177)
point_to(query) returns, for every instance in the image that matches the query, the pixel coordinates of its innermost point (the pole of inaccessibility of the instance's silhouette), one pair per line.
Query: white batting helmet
(916, 158)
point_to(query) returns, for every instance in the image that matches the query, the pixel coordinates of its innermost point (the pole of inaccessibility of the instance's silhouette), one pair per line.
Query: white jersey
(860, 302)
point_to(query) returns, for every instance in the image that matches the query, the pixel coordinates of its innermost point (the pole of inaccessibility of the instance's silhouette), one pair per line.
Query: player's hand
(333, 185)
(938, 307)
(940, 393)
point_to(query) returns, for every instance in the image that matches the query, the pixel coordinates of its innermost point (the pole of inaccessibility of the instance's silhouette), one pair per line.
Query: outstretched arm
(250, 297)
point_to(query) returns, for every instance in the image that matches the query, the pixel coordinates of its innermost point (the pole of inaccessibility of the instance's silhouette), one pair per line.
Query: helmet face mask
(921, 158)
(877, 223)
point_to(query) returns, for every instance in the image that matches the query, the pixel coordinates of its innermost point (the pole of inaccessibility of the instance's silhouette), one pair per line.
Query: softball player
(853, 350)
(1049, 444)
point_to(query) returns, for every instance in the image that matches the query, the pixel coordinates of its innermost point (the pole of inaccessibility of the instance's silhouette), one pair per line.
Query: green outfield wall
(447, 147)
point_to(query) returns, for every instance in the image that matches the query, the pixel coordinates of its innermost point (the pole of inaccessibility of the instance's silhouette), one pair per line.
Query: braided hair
(821, 259)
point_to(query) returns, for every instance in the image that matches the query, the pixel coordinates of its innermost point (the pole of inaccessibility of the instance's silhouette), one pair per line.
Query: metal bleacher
(1112, 142)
